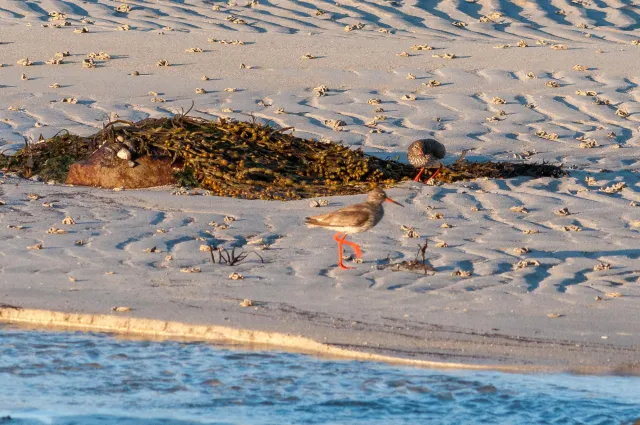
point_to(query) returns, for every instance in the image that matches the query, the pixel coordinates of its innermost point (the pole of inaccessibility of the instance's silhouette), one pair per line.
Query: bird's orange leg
(337, 237)
(436, 173)
(340, 241)
(417, 179)
(355, 246)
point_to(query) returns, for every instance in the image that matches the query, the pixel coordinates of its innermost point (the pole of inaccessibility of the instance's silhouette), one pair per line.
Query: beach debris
(559, 47)
(120, 309)
(157, 100)
(33, 196)
(151, 250)
(24, 62)
(586, 93)
(410, 232)
(230, 89)
(410, 76)
(190, 270)
(530, 231)
(554, 315)
(229, 219)
(572, 228)
(444, 56)
(562, 212)
(519, 209)
(56, 231)
(403, 54)
(71, 100)
(613, 295)
(15, 227)
(236, 276)
(47, 204)
(54, 86)
(442, 244)
(522, 43)
(409, 97)
(135, 73)
(521, 250)
(200, 90)
(123, 8)
(162, 62)
(459, 24)
(320, 90)
(206, 248)
(308, 56)
(194, 50)
(68, 221)
(88, 63)
(35, 246)
(461, 273)
(79, 242)
(587, 143)
(418, 264)
(544, 135)
(82, 30)
(335, 124)
(446, 226)
(124, 154)
(54, 61)
(124, 27)
(72, 279)
(614, 188)
(432, 83)
(319, 203)
(421, 47)
(502, 46)
(601, 267)
(621, 112)
(355, 27)
(530, 75)
(580, 68)
(246, 302)
(527, 263)
(601, 101)
(23, 77)
(541, 42)
(553, 84)
(498, 101)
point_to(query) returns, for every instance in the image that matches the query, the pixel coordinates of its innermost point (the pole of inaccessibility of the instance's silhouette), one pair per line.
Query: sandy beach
(529, 272)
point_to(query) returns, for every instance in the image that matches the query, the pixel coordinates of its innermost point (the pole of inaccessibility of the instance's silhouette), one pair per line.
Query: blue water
(87, 379)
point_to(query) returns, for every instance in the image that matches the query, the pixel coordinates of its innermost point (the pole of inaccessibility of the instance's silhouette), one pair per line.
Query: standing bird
(426, 153)
(353, 219)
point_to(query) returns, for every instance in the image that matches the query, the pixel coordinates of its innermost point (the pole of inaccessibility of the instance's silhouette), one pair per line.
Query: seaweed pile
(243, 159)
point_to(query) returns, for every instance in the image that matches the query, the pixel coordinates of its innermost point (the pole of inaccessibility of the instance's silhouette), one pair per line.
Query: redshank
(355, 218)
(426, 153)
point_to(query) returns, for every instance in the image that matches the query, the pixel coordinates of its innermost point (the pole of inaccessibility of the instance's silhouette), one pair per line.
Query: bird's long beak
(393, 202)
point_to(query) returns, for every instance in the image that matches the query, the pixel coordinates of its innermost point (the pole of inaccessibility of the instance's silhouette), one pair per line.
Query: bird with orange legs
(355, 218)
(426, 154)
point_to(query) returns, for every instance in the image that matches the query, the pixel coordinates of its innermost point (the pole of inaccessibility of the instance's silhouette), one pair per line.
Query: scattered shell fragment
(33, 196)
(554, 315)
(580, 68)
(613, 295)
(586, 93)
(421, 47)
(36, 246)
(520, 250)
(436, 216)
(24, 62)
(124, 153)
(410, 76)
(56, 231)
(54, 61)
(308, 56)
(409, 97)
(587, 143)
(553, 84)
(54, 86)
(246, 302)
(559, 47)
(321, 90)
(162, 62)
(374, 101)
(102, 56)
(621, 112)
(519, 209)
(541, 42)
(442, 244)
(531, 75)
(498, 101)
(123, 8)
(68, 221)
(432, 83)
(88, 63)
(82, 30)
(15, 226)
(229, 219)
(79, 242)
(152, 93)
(71, 100)
(236, 276)
(530, 231)
(522, 43)
(572, 228)
(459, 24)
(544, 135)
(527, 263)
(334, 123)
(403, 54)
(601, 101)
(194, 50)
(410, 232)
(120, 309)
(614, 188)
(157, 100)
(23, 77)
(601, 267)
(445, 56)
(562, 212)
(355, 27)
(200, 90)
(124, 27)
(502, 46)
(135, 73)
(151, 250)
(190, 270)
(230, 89)
(461, 273)
(72, 279)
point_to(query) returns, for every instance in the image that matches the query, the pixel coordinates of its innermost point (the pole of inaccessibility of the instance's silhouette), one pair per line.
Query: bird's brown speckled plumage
(426, 153)
(353, 218)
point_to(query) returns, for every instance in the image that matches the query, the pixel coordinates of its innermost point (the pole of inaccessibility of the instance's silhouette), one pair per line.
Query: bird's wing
(351, 216)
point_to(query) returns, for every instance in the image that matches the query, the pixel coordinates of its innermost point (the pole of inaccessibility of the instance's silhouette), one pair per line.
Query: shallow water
(84, 378)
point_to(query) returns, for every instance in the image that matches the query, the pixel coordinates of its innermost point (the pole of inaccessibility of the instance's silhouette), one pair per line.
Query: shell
(124, 154)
